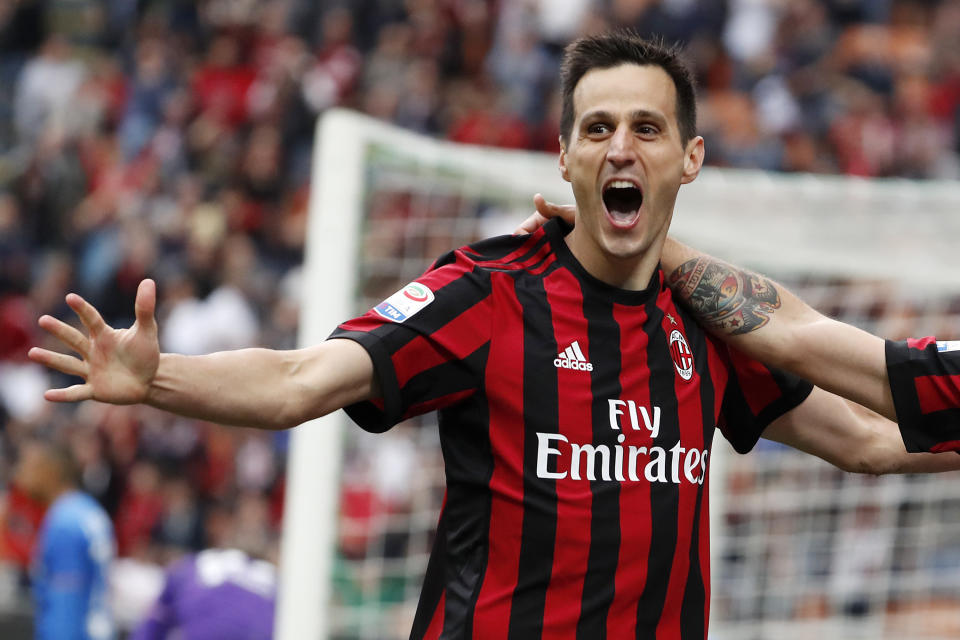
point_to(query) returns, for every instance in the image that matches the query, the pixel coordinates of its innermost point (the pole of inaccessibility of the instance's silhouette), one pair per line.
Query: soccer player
(75, 548)
(915, 382)
(577, 402)
(217, 594)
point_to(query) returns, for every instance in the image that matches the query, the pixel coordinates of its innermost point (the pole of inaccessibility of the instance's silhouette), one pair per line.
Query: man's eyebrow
(597, 115)
(647, 114)
(639, 114)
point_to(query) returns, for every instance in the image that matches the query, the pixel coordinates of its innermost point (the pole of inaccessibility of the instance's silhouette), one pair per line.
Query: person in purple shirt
(217, 594)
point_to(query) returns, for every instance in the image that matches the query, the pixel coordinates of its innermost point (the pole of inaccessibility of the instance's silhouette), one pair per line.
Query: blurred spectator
(221, 84)
(484, 118)
(217, 594)
(863, 137)
(45, 90)
(20, 518)
(74, 548)
(334, 73)
(151, 87)
(523, 70)
(560, 21)
(861, 555)
(140, 509)
(180, 525)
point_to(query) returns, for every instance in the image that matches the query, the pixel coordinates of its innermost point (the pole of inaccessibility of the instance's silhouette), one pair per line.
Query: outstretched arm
(249, 387)
(852, 438)
(736, 304)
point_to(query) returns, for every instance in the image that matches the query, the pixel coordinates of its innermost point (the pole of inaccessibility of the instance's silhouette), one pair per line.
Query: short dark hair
(612, 49)
(59, 455)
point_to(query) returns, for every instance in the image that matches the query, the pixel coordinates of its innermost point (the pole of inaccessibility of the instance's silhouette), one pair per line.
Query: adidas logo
(572, 358)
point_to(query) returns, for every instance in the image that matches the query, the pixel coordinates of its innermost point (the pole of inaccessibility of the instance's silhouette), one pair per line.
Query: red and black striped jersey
(576, 422)
(925, 383)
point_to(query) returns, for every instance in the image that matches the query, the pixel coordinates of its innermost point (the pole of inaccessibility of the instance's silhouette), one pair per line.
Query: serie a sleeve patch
(405, 303)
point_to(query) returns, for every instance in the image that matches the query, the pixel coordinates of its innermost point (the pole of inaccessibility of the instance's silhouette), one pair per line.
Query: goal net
(799, 548)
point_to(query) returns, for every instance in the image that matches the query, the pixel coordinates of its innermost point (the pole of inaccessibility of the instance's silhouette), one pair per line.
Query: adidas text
(563, 363)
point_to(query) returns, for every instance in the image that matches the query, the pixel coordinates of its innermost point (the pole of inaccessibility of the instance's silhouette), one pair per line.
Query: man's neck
(631, 273)
(58, 492)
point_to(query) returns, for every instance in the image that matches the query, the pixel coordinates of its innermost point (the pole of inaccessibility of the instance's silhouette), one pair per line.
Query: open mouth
(622, 199)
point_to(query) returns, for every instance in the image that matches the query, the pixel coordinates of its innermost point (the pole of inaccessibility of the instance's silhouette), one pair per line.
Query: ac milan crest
(681, 354)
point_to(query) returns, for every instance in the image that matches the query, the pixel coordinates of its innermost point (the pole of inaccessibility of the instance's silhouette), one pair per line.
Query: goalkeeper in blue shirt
(74, 550)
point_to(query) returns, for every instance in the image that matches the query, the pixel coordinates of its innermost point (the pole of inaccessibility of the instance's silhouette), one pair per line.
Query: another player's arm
(765, 320)
(249, 387)
(852, 438)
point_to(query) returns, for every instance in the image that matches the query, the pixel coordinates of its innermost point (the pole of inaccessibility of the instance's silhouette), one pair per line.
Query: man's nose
(621, 151)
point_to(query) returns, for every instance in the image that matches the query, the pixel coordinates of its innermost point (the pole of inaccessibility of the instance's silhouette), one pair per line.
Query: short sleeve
(925, 383)
(428, 343)
(755, 396)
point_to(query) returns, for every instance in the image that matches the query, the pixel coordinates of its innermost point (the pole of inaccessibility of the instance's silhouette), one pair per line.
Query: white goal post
(881, 254)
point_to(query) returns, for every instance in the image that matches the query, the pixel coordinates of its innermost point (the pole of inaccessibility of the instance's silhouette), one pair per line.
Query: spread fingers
(89, 316)
(68, 335)
(62, 362)
(76, 393)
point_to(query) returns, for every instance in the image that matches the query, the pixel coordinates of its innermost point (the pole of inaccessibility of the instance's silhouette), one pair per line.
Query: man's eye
(597, 129)
(646, 130)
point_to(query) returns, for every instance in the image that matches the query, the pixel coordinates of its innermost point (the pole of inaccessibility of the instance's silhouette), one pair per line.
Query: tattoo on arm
(723, 297)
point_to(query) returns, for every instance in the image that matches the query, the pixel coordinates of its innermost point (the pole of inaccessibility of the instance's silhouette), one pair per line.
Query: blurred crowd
(172, 139)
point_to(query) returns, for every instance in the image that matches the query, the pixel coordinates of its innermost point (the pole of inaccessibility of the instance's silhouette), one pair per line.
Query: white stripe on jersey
(948, 345)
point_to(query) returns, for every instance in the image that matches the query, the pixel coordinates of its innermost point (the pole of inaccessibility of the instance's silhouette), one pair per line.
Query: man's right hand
(117, 365)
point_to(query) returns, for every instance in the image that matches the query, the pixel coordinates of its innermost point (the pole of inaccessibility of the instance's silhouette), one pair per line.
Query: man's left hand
(545, 211)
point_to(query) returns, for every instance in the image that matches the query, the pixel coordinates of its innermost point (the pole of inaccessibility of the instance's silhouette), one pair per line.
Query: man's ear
(563, 161)
(693, 161)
